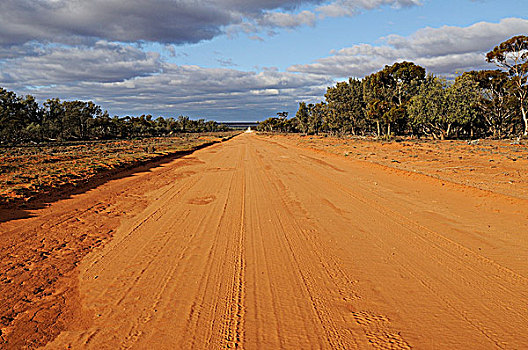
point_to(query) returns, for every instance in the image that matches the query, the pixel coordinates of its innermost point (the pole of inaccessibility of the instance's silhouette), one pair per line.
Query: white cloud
(163, 21)
(455, 40)
(86, 63)
(102, 62)
(124, 79)
(443, 51)
(343, 8)
(286, 20)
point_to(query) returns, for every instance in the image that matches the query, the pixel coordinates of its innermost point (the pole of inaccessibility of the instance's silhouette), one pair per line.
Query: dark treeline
(22, 119)
(402, 100)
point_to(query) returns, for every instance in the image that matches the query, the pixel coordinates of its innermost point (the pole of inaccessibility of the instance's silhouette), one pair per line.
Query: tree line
(22, 120)
(403, 100)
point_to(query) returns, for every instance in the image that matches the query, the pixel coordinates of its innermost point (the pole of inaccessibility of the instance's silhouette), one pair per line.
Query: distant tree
(200, 125)
(78, 117)
(53, 115)
(462, 101)
(278, 124)
(31, 114)
(211, 126)
(270, 124)
(378, 110)
(10, 121)
(428, 109)
(302, 117)
(282, 115)
(345, 106)
(118, 127)
(512, 56)
(387, 92)
(282, 122)
(317, 115)
(377, 96)
(20, 118)
(406, 78)
(183, 123)
(171, 124)
(332, 121)
(102, 127)
(496, 102)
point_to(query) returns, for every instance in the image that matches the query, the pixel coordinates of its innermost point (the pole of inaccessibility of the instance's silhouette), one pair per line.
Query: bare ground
(261, 243)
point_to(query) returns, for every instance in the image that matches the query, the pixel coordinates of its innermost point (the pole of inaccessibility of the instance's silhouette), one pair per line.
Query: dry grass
(28, 171)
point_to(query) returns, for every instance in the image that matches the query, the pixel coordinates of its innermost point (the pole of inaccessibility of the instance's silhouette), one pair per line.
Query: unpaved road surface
(253, 244)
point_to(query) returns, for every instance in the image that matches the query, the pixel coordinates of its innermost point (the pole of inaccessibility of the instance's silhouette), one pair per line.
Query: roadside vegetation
(402, 100)
(29, 171)
(23, 120)
(67, 143)
(497, 166)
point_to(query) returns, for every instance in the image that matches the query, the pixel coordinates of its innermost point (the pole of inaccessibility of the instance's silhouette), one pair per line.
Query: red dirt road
(256, 244)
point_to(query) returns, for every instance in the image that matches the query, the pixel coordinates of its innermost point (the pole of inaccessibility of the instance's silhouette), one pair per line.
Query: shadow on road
(22, 210)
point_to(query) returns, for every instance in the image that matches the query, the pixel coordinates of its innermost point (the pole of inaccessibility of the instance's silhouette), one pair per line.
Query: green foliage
(281, 123)
(303, 117)
(23, 120)
(497, 102)
(387, 92)
(462, 105)
(401, 100)
(20, 117)
(345, 107)
(428, 109)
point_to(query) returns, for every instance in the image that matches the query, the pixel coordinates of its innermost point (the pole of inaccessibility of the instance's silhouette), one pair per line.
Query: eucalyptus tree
(441, 109)
(302, 118)
(78, 118)
(183, 123)
(512, 56)
(102, 127)
(406, 79)
(345, 104)
(428, 109)
(20, 117)
(377, 92)
(279, 123)
(462, 101)
(53, 119)
(497, 102)
(317, 113)
(332, 121)
(387, 92)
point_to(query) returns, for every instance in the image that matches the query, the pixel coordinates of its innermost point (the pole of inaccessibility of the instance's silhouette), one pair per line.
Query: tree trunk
(388, 131)
(379, 131)
(525, 120)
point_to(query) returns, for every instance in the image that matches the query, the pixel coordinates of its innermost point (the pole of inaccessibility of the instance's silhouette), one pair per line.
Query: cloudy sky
(235, 59)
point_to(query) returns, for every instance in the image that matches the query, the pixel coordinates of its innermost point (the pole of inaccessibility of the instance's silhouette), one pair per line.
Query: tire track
(233, 326)
(441, 243)
(259, 247)
(209, 279)
(299, 244)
